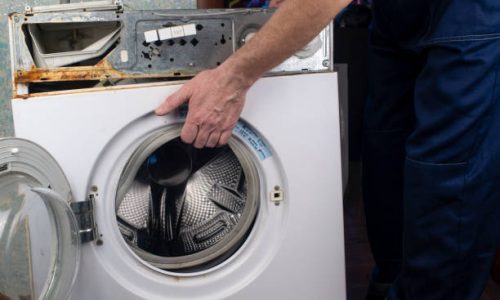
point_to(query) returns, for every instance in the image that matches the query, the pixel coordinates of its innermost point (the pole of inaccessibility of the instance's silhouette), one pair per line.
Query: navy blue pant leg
(452, 172)
(388, 120)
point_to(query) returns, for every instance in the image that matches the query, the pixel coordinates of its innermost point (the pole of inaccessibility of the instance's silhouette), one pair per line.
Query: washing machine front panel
(290, 127)
(144, 279)
(39, 235)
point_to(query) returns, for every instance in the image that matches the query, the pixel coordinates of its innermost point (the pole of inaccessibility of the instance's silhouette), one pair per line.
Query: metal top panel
(116, 47)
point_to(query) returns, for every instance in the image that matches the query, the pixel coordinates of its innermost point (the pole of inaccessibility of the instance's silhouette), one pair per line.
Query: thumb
(172, 102)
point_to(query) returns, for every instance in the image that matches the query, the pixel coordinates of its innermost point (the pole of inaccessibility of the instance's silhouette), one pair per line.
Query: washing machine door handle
(39, 233)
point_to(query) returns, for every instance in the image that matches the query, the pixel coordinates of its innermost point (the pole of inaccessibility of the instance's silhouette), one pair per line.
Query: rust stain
(24, 97)
(101, 71)
(10, 16)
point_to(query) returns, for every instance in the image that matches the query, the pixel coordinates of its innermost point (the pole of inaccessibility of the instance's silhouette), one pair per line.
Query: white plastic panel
(296, 250)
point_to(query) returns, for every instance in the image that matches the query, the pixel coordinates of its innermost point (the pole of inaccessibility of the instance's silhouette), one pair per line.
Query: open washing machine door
(39, 234)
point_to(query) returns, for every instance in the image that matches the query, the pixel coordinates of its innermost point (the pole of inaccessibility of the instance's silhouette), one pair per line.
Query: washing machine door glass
(39, 241)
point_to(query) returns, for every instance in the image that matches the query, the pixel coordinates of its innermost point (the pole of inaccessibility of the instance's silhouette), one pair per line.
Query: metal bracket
(28, 10)
(84, 213)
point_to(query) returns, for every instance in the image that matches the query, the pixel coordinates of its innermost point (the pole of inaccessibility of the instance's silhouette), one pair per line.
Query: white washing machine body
(290, 130)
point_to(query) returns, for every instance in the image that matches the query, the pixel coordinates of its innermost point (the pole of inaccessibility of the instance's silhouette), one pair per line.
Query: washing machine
(107, 202)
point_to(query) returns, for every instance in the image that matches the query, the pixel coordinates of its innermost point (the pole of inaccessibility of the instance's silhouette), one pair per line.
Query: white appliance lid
(39, 234)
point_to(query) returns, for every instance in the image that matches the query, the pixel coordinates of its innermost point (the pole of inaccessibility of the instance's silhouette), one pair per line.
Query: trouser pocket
(442, 258)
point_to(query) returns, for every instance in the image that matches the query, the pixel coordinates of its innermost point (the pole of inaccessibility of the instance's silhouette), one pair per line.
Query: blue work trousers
(431, 153)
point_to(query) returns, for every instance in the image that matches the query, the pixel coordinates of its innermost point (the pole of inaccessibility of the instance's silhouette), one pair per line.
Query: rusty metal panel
(160, 44)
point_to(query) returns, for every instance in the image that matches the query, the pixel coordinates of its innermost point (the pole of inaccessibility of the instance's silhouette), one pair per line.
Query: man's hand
(216, 97)
(215, 100)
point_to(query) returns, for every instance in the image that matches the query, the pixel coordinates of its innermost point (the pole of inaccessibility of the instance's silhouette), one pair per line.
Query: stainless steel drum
(181, 208)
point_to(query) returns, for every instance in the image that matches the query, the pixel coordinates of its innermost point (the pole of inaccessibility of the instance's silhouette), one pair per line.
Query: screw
(326, 63)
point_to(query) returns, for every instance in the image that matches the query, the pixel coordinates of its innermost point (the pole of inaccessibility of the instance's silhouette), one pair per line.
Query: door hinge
(84, 213)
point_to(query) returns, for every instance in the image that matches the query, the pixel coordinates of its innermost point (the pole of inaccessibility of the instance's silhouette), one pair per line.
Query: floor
(359, 261)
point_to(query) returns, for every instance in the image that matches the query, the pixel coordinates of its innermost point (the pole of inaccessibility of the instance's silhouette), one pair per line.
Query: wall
(8, 6)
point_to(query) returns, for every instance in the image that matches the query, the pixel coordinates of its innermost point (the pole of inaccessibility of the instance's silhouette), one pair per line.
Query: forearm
(292, 26)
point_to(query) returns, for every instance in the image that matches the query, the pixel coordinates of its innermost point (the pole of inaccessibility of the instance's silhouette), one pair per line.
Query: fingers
(224, 138)
(213, 139)
(192, 134)
(209, 133)
(173, 101)
(189, 132)
(201, 138)
(206, 129)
